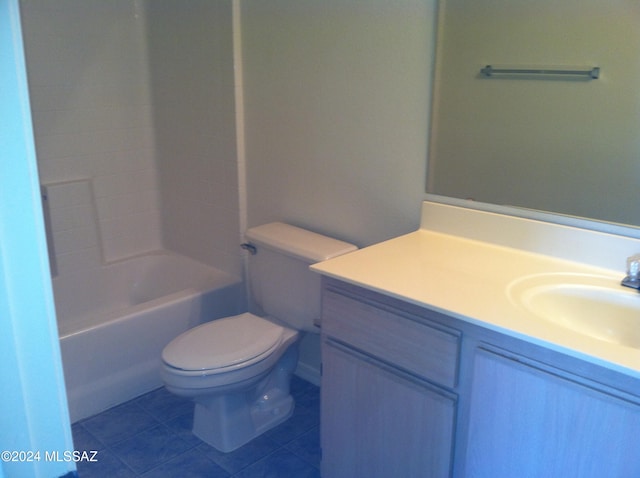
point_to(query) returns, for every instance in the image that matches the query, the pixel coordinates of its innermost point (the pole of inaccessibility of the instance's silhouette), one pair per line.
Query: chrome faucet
(633, 272)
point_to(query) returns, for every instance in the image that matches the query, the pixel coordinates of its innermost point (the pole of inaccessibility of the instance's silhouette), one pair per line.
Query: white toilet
(237, 369)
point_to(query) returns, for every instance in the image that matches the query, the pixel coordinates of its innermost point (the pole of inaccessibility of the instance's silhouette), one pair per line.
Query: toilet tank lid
(297, 242)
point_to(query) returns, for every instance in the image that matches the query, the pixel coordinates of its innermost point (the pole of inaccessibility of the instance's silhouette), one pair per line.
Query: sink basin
(597, 306)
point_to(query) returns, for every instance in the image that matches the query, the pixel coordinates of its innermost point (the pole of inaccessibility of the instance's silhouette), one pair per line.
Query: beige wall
(336, 118)
(336, 113)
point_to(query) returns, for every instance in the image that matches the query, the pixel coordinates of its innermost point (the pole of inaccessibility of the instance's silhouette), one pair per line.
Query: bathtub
(114, 321)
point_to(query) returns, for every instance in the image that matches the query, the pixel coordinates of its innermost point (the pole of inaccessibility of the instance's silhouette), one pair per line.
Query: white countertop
(469, 279)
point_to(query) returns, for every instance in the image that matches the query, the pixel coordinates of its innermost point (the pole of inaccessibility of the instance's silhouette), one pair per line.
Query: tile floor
(151, 437)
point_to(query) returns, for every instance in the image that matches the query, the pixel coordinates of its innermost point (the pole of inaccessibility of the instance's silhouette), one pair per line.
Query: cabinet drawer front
(402, 340)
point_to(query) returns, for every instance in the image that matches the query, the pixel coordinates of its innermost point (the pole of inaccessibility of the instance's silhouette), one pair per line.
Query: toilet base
(229, 426)
(229, 420)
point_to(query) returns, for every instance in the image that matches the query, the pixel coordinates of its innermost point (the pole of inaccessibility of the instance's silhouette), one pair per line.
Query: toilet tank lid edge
(297, 242)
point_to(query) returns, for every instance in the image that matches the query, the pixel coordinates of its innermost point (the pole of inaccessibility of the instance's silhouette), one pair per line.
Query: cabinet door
(529, 422)
(377, 422)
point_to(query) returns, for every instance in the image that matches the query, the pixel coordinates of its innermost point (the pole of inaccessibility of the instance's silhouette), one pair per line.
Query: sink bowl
(593, 305)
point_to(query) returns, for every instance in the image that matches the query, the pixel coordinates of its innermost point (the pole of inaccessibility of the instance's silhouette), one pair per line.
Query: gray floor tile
(280, 464)
(107, 465)
(150, 448)
(119, 423)
(307, 446)
(192, 464)
(151, 436)
(163, 405)
(244, 456)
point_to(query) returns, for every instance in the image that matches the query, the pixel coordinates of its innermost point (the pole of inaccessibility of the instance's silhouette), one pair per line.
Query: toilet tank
(280, 282)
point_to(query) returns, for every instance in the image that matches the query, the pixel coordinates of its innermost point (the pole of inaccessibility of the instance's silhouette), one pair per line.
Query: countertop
(470, 280)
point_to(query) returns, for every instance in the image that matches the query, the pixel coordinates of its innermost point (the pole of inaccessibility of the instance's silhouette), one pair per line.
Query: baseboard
(308, 373)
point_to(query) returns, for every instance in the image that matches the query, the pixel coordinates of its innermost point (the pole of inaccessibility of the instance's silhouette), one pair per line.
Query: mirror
(566, 144)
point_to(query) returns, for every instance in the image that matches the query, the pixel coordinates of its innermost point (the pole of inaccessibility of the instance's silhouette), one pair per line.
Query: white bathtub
(115, 320)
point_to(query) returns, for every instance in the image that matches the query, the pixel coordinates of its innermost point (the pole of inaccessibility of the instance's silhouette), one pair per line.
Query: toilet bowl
(238, 369)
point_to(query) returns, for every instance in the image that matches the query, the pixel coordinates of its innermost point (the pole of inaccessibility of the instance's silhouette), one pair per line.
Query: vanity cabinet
(409, 392)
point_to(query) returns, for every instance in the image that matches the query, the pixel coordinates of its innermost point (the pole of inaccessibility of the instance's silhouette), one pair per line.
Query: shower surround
(134, 120)
(137, 97)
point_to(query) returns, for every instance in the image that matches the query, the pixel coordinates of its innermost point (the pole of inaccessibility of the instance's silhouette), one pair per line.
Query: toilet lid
(241, 339)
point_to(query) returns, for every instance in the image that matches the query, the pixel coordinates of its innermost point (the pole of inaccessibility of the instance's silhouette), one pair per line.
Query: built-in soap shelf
(71, 225)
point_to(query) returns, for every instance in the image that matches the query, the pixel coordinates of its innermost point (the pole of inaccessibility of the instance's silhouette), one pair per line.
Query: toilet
(237, 369)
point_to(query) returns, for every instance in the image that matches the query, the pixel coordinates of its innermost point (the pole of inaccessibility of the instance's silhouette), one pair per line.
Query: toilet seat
(223, 345)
